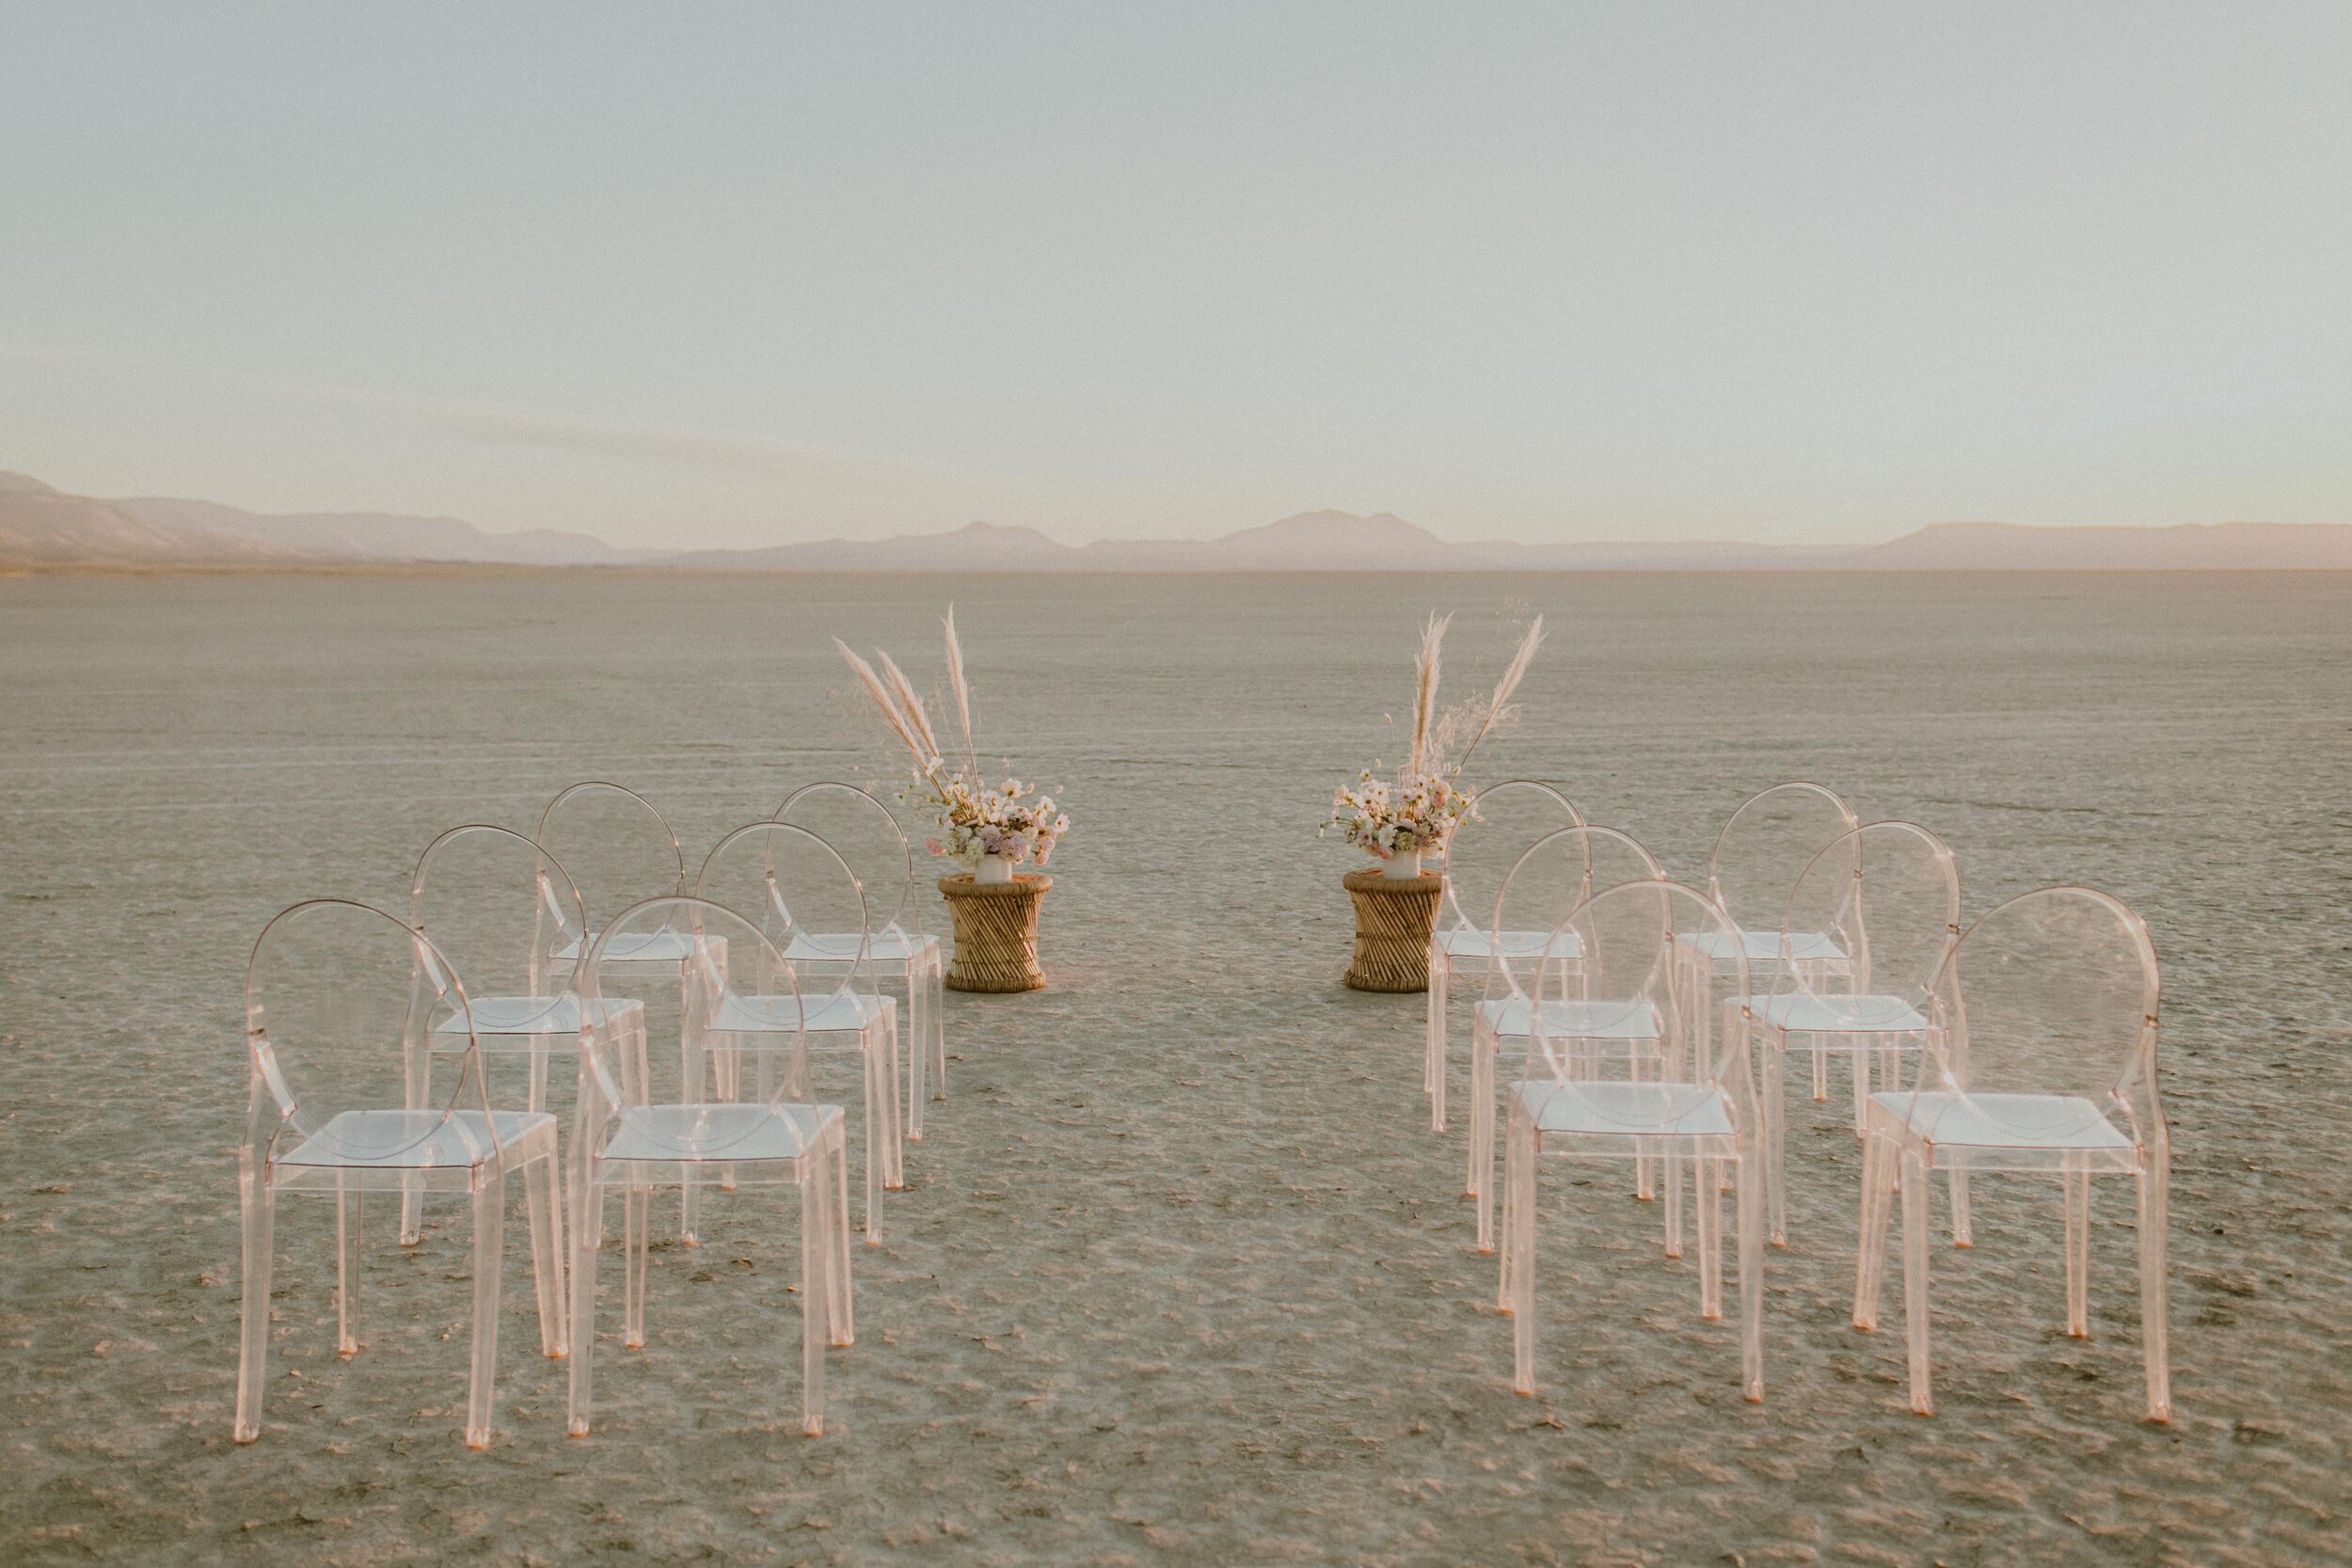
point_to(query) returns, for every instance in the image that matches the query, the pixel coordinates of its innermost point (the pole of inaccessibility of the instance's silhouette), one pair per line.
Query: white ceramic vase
(992, 871)
(1401, 868)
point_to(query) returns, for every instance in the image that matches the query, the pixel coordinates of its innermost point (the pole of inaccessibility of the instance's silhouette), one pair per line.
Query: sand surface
(1183, 1276)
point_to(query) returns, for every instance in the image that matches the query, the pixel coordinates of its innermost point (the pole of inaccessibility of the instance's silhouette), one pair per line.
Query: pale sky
(737, 275)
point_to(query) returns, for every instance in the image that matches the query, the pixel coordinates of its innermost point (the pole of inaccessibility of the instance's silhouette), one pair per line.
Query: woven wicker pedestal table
(995, 932)
(1393, 915)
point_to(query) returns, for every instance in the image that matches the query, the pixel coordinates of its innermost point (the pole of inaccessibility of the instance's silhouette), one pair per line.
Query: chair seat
(883, 947)
(418, 1140)
(1577, 1020)
(662, 946)
(833, 1012)
(1632, 1110)
(690, 1134)
(1763, 946)
(2014, 1121)
(1810, 1013)
(1468, 942)
(536, 1015)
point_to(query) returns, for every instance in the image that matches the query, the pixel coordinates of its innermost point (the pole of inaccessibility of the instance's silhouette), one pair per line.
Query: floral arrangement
(1402, 818)
(1005, 821)
(1417, 811)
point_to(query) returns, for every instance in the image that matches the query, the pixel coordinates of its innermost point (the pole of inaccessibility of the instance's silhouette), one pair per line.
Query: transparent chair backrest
(2051, 993)
(336, 995)
(1509, 816)
(502, 909)
(793, 886)
(731, 974)
(1628, 935)
(1767, 844)
(617, 848)
(864, 832)
(1545, 885)
(1888, 895)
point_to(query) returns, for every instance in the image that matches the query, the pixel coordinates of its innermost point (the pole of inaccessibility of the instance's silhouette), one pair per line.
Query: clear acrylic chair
(1757, 860)
(641, 1125)
(618, 852)
(784, 880)
(1508, 817)
(865, 834)
(330, 1000)
(501, 910)
(1886, 896)
(1530, 931)
(1703, 1111)
(2043, 1063)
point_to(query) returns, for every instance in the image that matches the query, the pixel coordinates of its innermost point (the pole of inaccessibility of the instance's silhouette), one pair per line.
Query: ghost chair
(330, 995)
(2041, 1063)
(619, 850)
(1506, 819)
(1887, 896)
(1704, 1110)
(862, 832)
(501, 908)
(1758, 856)
(641, 1125)
(1535, 943)
(786, 881)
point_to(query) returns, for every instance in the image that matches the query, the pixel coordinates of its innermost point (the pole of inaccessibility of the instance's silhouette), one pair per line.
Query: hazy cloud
(730, 449)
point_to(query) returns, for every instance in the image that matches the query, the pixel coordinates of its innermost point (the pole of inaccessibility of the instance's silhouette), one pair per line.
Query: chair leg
(1956, 1186)
(816, 1295)
(1506, 1302)
(918, 1058)
(1644, 1186)
(636, 1208)
(1878, 1191)
(1750, 1218)
(1433, 1022)
(1820, 1070)
(1916, 1251)
(1669, 1188)
(490, 1230)
(2076, 1184)
(543, 1199)
(1479, 1155)
(260, 1205)
(584, 1229)
(348, 1226)
(837, 1232)
(873, 1152)
(693, 1062)
(2154, 1329)
(937, 982)
(1433, 1052)
(419, 1073)
(1709, 1196)
(894, 1148)
(1523, 1245)
(1775, 1119)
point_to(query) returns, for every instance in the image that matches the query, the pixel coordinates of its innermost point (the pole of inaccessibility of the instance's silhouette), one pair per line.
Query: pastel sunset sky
(739, 274)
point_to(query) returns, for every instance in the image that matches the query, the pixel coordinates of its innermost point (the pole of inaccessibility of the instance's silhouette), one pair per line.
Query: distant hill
(2188, 546)
(384, 536)
(44, 527)
(1342, 542)
(974, 547)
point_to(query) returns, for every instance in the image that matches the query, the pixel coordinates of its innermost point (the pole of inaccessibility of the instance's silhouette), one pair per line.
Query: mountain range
(45, 529)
